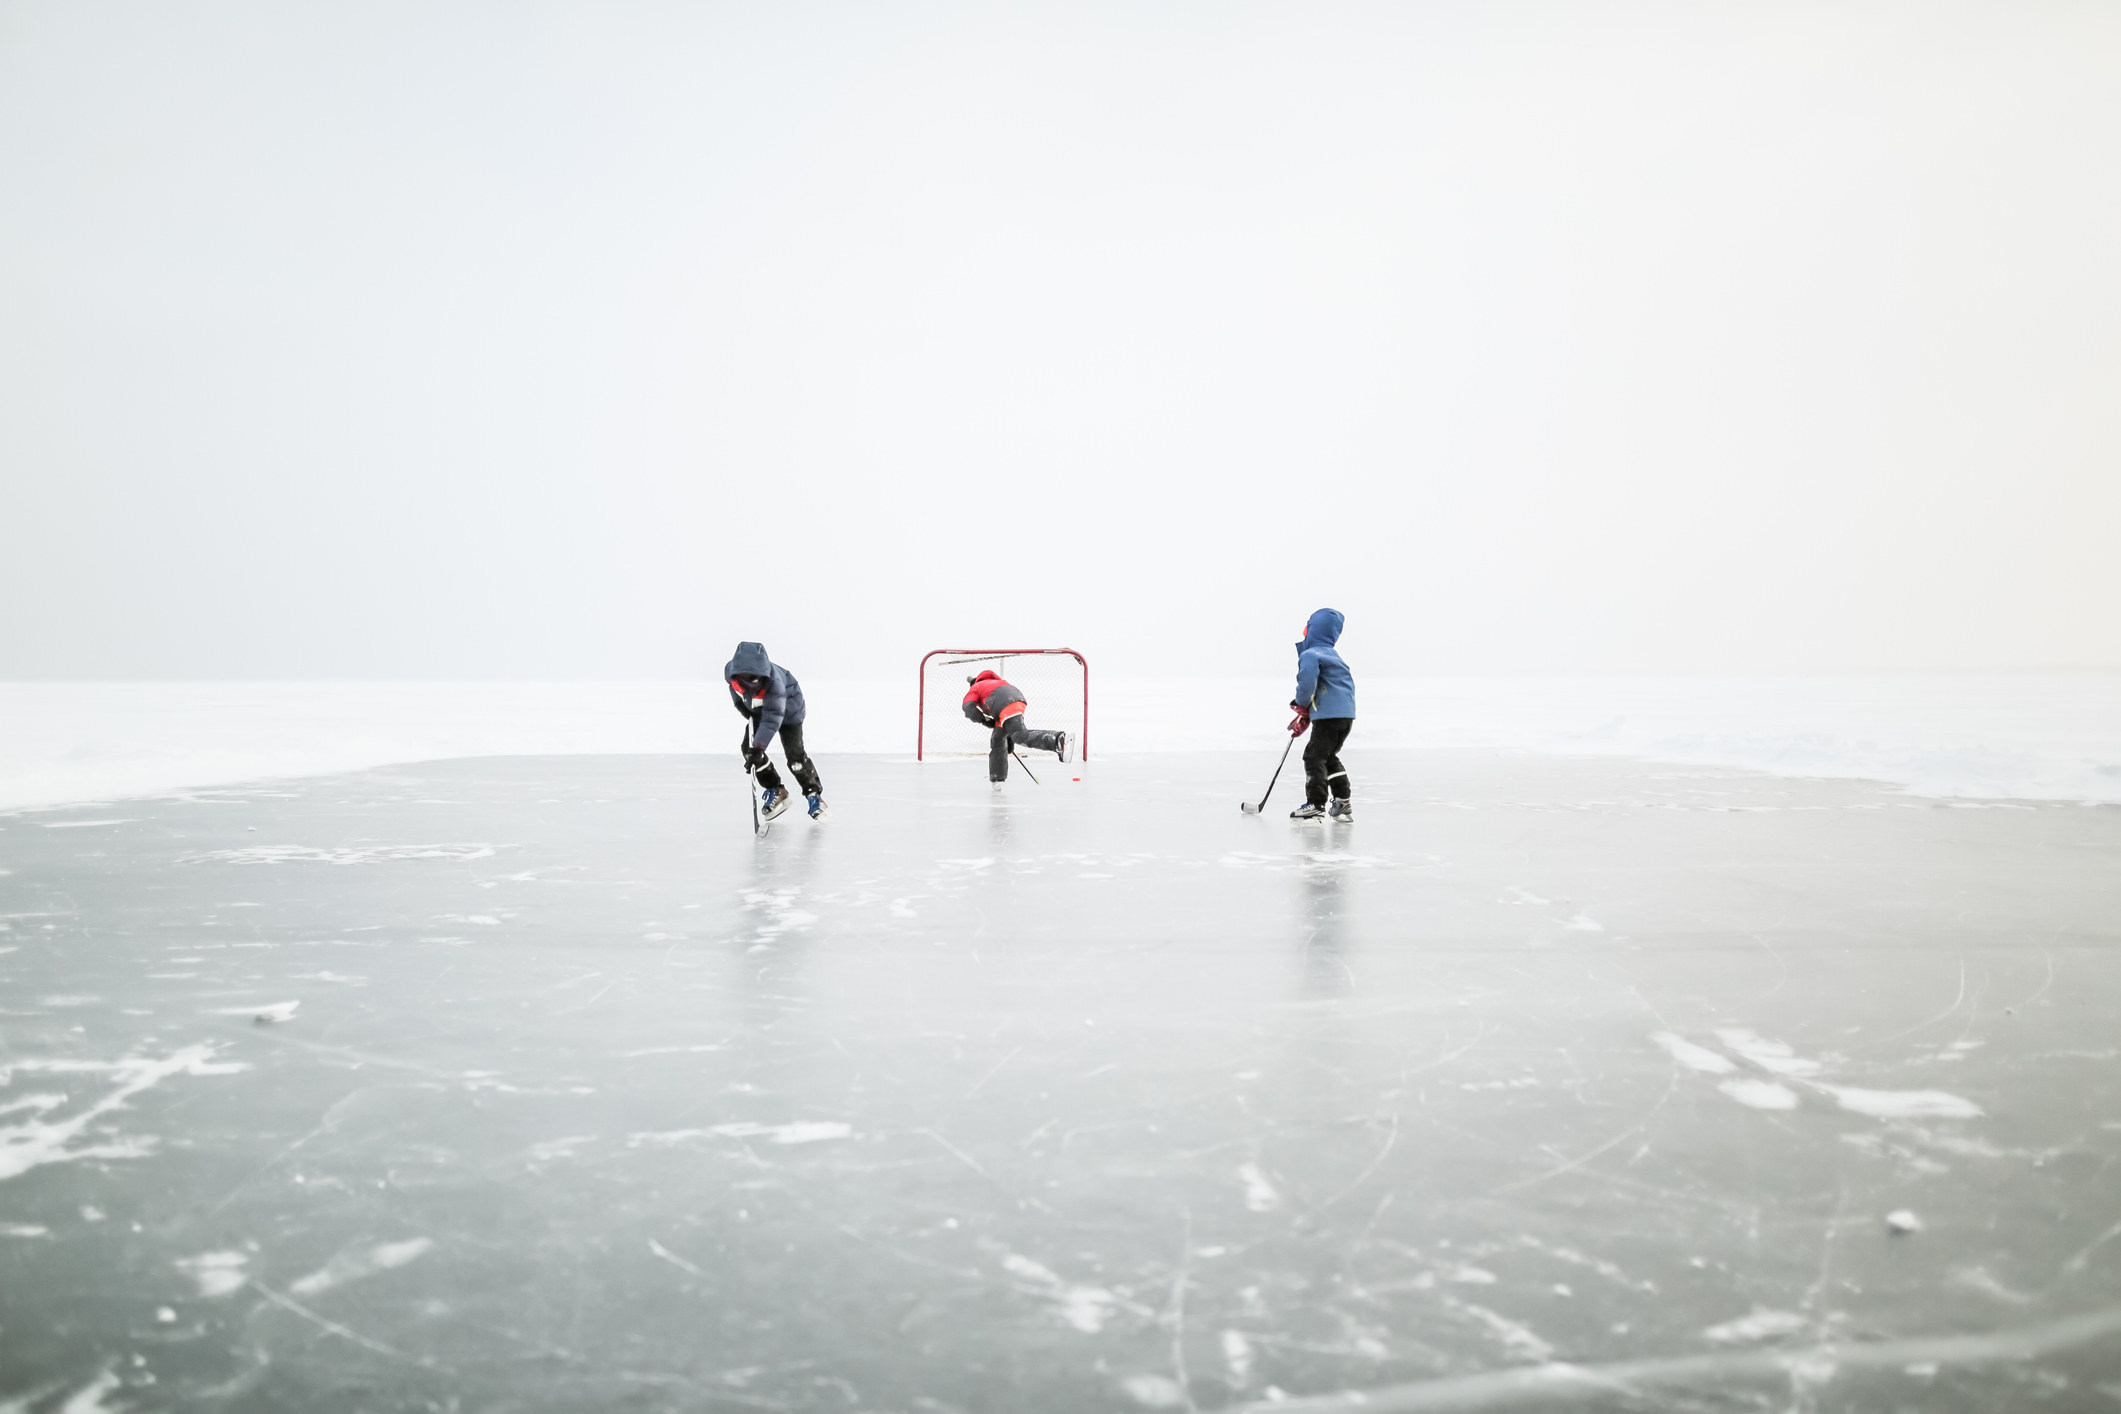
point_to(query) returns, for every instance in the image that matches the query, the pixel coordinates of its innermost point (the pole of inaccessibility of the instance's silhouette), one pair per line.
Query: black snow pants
(1322, 766)
(1011, 731)
(804, 768)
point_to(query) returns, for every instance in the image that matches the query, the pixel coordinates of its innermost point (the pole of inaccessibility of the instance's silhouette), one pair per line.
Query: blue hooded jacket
(782, 703)
(1323, 682)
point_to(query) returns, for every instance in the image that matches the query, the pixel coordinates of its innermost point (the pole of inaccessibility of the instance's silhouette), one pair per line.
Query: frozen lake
(1549, 1082)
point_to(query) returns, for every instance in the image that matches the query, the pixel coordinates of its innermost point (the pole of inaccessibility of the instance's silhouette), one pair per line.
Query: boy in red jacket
(997, 704)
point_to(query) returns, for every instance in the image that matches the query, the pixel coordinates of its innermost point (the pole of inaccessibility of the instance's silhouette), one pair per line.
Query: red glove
(1302, 722)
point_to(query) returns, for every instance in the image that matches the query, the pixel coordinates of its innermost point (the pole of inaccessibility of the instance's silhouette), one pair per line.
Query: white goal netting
(1055, 683)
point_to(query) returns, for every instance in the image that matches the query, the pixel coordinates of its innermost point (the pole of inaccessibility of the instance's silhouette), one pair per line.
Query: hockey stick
(1027, 770)
(1247, 806)
(758, 827)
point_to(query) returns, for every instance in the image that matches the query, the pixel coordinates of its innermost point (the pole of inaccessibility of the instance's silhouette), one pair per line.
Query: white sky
(511, 339)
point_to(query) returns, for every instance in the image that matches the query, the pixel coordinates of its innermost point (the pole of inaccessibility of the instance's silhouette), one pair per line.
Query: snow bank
(2028, 737)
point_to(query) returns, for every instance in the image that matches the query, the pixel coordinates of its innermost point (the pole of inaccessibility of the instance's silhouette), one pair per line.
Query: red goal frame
(920, 721)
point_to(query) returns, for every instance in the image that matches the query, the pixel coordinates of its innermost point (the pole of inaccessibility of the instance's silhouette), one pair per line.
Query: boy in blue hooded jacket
(1325, 704)
(771, 699)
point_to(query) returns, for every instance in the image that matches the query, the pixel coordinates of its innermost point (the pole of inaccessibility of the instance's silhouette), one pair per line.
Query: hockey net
(1055, 683)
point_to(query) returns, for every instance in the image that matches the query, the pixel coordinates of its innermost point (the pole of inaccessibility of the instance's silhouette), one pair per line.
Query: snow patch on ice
(352, 1266)
(1691, 1056)
(1260, 1195)
(1584, 923)
(782, 915)
(1772, 1056)
(1031, 1269)
(1237, 1353)
(799, 1132)
(1903, 1104)
(1760, 1094)
(1762, 1324)
(1086, 1308)
(305, 854)
(217, 1273)
(89, 1398)
(1154, 1391)
(795, 1132)
(262, 1012)
(34, 1142)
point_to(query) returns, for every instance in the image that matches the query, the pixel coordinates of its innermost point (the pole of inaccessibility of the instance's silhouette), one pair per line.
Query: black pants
(1322, 766)
(791, 742)
(1011, 731)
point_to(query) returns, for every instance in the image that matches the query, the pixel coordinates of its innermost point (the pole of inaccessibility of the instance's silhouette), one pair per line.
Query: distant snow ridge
(1998, 736)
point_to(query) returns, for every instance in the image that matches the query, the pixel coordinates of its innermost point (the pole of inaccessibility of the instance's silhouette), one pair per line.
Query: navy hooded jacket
(1323, 682)
(780, 704)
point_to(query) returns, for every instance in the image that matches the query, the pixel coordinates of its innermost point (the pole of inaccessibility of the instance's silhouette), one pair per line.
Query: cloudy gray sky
(460, 340)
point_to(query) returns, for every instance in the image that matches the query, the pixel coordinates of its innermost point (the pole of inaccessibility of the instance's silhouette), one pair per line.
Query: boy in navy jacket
(1324, 703)
(771, 700)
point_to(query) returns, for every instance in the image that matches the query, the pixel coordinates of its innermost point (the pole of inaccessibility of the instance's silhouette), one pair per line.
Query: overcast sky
(469, 340)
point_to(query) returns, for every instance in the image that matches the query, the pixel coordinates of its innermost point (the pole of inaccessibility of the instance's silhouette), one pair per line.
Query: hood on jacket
(989, 673)
(1323, 629)
(751, 658)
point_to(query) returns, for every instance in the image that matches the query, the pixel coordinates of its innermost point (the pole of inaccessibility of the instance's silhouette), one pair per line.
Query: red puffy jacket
(991, 700)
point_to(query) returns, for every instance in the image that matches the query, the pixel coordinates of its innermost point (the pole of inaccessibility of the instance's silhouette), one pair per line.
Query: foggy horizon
(478, 343)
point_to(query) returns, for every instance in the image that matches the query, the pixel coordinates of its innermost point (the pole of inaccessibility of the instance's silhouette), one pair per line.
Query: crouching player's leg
(998, 745)
(804, 770)
(756, 761)
(1038, 739)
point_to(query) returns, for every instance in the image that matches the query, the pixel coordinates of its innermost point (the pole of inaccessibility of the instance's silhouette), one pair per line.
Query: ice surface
(1996, 737)
(1096, 1095)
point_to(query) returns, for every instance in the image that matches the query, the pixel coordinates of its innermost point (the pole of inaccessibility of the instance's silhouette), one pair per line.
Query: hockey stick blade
(1247, 806)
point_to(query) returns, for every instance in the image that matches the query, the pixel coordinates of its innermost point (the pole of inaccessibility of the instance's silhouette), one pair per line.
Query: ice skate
(995, 786)
(773, 802)
(817, 806)
(1061, 750)
(1342, 810)
(1308, 811)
